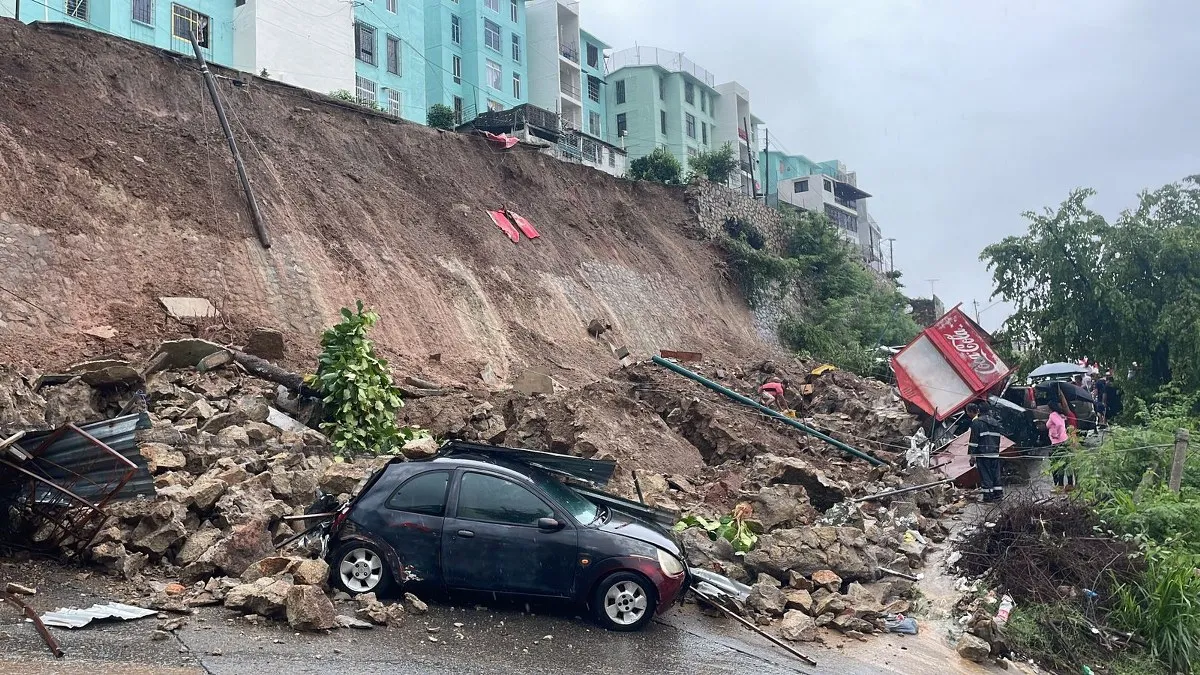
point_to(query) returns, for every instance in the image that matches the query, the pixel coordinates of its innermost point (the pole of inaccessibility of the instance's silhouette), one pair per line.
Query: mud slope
(116, 187)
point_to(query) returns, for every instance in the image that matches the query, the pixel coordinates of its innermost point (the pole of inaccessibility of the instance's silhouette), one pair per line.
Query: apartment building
(659, 98)
(736, 125)
(389, 53)
(476, 55)
(828, 188)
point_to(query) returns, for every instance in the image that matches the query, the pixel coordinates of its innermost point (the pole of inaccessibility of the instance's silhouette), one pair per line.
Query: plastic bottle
(1006, 605)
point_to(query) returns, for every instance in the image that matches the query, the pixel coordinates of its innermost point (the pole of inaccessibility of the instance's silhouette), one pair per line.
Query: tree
(1121, 293)
(440, 116)
(659, 166)
(715, 165)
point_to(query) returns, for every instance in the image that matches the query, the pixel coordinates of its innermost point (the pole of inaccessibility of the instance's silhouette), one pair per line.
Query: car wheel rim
(361, 570)
(625, 602)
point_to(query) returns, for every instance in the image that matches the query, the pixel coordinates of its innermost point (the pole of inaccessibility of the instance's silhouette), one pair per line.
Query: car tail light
(340, 518)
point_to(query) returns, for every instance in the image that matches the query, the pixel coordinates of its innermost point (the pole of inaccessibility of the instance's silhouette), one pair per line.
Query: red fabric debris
(503, 140)
(501, 220)
(525, 226)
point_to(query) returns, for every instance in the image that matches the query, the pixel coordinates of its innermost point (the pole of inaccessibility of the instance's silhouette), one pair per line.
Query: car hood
(628, 525)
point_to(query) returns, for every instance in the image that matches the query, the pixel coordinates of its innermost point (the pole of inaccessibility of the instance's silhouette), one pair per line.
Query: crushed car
(510, 521)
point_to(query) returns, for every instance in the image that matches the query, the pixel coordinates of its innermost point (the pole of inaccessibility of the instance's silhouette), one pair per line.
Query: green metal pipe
(765, 410)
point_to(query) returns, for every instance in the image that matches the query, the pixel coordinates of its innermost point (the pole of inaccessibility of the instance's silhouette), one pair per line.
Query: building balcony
(569, 88)
(569, 51)
(743, 135)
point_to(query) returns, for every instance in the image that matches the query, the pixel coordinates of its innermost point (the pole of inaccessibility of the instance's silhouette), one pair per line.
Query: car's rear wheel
(359, 567)
(624, 601)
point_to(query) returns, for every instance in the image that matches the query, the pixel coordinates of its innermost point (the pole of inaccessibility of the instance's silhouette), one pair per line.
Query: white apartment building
(736, 125)
(555, 74)
(272, 36)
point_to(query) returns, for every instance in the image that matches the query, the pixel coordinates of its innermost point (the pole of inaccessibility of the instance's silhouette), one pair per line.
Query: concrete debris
(189, 309)
(266, 343)
(414, 605)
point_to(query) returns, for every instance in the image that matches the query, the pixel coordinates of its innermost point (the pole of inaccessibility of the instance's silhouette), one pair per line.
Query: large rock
(865, 603)
(20, 407)
(420, 448)
(74, 402)
(265, 343)
(161, 457)
(798, 627)
(827, 579)
(223, 420)
(783, 506)
(246, 544)
(269, 567)
(343, 477)
(310, 572)
(233, 437)
(767, 599)
(844, 550)
(371, 609)
(205, 492)
(799, 599)
(160, 529)
(973, 648)
(197, 545)
(265, 597)
(308, 608)
(823, 492)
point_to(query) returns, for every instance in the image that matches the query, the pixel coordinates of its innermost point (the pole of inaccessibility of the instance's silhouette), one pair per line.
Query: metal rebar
(874, 461)
(900, 491)
(715, 603)
(37, 623)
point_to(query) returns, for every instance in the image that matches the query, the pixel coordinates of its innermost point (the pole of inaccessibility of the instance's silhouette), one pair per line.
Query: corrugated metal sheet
(78, 618)
(72, 455)
(596, 471)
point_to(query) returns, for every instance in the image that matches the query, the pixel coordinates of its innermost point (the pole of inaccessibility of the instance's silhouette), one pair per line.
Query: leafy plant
(659, 166)
(360, 399)
(1164, 608)
(344, 95)
(716, 165)
(735, 528)
(440, 116)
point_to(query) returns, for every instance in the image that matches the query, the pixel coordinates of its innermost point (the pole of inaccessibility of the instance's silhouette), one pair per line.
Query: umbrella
(1056, 369)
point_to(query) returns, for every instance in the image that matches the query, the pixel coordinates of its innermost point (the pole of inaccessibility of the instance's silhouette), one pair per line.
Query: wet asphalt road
(493, 641)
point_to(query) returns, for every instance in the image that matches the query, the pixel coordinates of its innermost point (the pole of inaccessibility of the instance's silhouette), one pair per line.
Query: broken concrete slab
(533, 382)
(185, 353)
(265, 343)
(189, 309)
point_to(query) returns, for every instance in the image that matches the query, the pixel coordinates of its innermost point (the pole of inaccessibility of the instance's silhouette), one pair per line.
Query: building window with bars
(395, 102)
(622, 124)
(185, 21)
(516, 47)
(612, 158)
(704, 133)
(394, 65)
(491, 35)
(364, 91)
(662, 121)
(364, 43)
(593, 56)
(455, 29)
(456, 68)
(594, 88)
(391, 6)
(689, 123)
(494, 74)
(689, 93)
(493, 5)
(142, 11)
(594, 124)
(77, 9)
(517, 85)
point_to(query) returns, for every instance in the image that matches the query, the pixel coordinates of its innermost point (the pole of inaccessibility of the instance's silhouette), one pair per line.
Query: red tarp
(503, 140)
(501, 220)
(947, 365)
(525, 226)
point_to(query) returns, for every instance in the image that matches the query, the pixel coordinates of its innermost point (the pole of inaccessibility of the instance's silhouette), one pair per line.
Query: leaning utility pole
(259, 226)
(1179, 459)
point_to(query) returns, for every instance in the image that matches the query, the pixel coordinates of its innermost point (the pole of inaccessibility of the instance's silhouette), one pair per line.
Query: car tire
(624, 601)
(358, 567)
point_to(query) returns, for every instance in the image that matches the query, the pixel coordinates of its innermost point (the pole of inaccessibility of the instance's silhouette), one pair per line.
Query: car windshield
(579, 507)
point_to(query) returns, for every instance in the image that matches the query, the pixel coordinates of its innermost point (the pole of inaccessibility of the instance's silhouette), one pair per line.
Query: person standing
(984, 447)
(1056, 426)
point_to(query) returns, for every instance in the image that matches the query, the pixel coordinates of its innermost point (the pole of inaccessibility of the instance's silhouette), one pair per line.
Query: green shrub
(659, 166)
(716, 165)
(440, 116)
(1164, 608)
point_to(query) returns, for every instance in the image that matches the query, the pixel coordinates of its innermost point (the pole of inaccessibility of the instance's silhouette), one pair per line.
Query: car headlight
(671, 566)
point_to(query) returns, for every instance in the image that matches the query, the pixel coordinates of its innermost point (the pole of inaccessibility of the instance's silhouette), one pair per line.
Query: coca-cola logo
(966, 346)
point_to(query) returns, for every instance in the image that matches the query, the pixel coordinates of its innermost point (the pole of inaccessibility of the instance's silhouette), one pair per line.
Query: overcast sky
(957, 115)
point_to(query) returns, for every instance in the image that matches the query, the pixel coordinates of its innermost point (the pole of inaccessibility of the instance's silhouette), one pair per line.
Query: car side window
(497, 500)
(424, 494)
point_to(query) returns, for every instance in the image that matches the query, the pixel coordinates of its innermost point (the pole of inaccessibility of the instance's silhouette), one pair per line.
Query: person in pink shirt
(1056, 425)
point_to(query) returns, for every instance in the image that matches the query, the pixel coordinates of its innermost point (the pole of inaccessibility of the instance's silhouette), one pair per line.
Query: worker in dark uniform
(984, 446)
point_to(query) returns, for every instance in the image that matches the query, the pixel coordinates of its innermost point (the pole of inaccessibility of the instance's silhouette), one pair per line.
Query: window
(621, 91)
(800, 186)
(393, 55)
(622, 124)
(703, 101)
(496, 500)
(458, 109)
(662, 120)
(455, 29)
(364, 43)
(77, 9)
(691, 152)
(424, 494)
(704, 133)
(493, 74)
(593, 56)
(395, 102)
(456, 68)
(594, 88)
(516, 39)
(364, 90)
(143, 11)
(495, 106)
(391, 6)
(493, 5)
(516, 85)
(594, 124)
(689, 124)
(184, 22)
(612, 158)
(515, 11)
(828, 185)
(491, 34)
(662, 89)
(689, 93)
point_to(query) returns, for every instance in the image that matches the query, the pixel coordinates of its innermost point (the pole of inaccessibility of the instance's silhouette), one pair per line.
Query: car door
(492, 541)
(412, 520)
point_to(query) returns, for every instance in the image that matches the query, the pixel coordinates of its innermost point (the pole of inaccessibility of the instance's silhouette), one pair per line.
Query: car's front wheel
(359, 567)
(624, 601)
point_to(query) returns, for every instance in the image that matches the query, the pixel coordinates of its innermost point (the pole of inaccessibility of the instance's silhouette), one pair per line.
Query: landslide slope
(116, 187)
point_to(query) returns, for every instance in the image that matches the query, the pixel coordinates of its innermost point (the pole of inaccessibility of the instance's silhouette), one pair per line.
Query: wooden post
(1181, 444)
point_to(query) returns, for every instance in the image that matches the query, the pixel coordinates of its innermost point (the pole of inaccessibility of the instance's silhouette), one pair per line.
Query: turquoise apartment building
(476, 55)
(593, 85)
(389, 56)
(659, 98)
